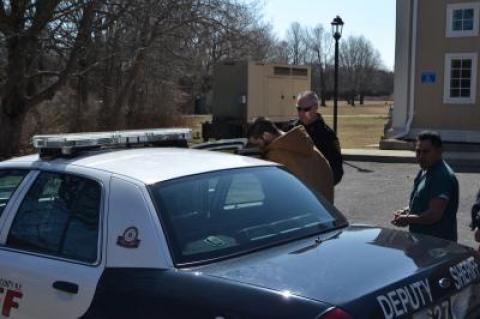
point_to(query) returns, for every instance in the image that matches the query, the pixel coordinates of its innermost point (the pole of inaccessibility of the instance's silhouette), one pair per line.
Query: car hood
(344, 266)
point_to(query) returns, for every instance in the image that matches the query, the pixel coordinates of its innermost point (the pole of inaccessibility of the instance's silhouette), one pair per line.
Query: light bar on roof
(76, 141)
(226, 144)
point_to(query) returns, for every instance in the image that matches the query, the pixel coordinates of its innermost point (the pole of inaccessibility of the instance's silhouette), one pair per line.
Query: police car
(95, 226)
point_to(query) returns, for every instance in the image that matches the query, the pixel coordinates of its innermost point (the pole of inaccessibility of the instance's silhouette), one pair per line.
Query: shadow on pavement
(358, 168)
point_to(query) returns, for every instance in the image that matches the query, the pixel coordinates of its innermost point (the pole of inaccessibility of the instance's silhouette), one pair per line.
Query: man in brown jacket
(296, 151)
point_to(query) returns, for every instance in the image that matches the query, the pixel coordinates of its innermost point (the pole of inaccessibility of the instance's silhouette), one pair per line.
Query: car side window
(59, 216)
(9, 181)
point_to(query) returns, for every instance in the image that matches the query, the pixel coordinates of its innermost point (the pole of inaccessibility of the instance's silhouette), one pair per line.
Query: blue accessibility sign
(428, 77)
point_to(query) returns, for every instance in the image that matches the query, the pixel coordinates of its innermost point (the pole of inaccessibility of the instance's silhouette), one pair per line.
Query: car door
(50, 257)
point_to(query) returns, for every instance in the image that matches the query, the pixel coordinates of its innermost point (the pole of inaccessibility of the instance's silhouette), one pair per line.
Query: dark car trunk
(370, 272)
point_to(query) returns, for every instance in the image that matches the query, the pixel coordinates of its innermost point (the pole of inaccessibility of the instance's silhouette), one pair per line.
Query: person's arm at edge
(434, 213)
(476, 205)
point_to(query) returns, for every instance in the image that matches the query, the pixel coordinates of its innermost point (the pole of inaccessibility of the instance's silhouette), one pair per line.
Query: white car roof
(149, 165)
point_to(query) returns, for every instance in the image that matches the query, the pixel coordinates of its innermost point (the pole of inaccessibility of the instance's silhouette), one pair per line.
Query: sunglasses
(305, 109)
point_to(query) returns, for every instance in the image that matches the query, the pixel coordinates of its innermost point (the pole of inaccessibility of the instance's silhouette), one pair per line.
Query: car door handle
(66, 286)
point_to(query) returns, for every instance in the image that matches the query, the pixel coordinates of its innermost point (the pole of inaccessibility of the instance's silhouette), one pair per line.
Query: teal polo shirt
(438, 181)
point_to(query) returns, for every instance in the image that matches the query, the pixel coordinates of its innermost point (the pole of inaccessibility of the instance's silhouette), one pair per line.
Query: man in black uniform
(323, 136)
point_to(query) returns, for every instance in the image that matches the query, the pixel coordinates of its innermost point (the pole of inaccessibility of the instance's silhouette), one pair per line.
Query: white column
(403, 65)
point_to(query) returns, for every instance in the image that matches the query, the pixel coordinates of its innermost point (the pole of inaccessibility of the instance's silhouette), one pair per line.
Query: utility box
(243, 91)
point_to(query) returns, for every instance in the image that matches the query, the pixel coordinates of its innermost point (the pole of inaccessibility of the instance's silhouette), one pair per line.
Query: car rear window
(219, 214)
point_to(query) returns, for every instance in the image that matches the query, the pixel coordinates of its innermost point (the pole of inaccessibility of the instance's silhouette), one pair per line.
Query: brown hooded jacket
(296, 151)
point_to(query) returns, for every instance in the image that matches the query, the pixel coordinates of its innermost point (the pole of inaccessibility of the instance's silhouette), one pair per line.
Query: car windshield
(225, 213)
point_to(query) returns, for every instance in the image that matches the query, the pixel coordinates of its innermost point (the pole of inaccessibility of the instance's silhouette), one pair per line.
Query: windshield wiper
(317, 242)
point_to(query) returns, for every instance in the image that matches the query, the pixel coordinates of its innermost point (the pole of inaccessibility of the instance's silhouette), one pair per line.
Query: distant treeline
(361, 70)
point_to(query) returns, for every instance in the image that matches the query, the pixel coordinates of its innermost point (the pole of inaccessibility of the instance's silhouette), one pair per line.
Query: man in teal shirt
(434, 200)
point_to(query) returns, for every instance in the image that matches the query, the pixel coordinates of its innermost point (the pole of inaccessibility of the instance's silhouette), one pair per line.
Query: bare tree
(360, 63)
(280, 53)
(132, 59)
(33, 30)
(296, 39)
(369, 63)
(319, 44)
(233, 33)
(358, 59)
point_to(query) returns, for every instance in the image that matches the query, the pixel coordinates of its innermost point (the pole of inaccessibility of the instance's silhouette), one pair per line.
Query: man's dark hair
(260, 126)
(431, 136)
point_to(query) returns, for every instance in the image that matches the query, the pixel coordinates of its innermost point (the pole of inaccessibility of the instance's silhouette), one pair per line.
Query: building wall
(431, 112)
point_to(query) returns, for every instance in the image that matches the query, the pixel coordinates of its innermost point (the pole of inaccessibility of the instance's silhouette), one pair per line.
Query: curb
(457, 159)
(366, 155)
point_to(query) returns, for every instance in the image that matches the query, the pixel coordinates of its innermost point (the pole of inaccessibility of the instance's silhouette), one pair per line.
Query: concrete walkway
(458, 159)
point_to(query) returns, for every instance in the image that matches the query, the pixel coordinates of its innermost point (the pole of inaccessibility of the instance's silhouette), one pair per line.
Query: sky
(374, 19)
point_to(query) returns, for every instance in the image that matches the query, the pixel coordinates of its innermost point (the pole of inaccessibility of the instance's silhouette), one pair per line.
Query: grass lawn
(360, 126)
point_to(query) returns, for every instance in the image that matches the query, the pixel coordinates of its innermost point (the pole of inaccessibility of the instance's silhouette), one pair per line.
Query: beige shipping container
(273, 89)
(243, 91)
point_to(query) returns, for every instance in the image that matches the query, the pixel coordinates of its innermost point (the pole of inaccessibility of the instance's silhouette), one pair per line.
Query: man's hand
(400, 218)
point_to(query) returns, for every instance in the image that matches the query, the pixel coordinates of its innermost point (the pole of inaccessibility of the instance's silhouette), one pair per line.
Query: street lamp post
(337, 26)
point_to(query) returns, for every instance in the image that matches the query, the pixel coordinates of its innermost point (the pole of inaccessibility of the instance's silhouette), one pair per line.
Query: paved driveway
(370, 192)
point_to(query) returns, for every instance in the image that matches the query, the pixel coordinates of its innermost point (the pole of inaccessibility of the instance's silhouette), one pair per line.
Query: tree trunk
(323, 88)
(132, 114)
(114, 112)
(14, 104)
(80, 106)
(18, 91)
(323, 99)
(352, 99)
(361, 98)
(111, 82)
(10, 134)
